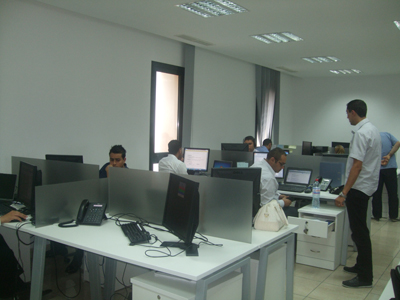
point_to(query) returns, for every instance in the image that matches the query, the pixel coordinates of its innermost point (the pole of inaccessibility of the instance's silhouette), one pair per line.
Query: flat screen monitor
(298, 176)
(306, 148)
(344, 144)
(27, 180)
(61, 157)
(181, 212)
(249, 174)
(258, 156)
(235, 147)
(196, 160)
(7, 186)
(222, 164)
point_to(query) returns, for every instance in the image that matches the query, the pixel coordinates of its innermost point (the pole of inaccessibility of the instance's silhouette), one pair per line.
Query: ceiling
(361, 33)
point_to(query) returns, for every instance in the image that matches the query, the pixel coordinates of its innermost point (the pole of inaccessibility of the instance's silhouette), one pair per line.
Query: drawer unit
(164, 287)
(319, 236)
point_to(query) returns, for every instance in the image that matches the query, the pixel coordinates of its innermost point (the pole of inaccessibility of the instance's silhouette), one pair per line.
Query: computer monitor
(7, 186)
(235, 147)
(249, 174)
(344, 144)
(28, 178)
(61, 157)
(196, 160)
(258, 156)
(306, 148)
(222, 164)
(181, 212)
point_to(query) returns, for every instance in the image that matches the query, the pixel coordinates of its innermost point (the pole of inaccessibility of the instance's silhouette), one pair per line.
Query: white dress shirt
(171, 164)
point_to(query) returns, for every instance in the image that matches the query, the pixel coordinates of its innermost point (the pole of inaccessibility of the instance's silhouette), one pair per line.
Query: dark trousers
(389, 178)
(357, 206)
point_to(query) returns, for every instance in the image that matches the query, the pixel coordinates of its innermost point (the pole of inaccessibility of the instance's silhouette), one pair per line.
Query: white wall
(71, 84)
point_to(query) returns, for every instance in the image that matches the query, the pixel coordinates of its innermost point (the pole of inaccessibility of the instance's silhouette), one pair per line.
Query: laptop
(296, 180)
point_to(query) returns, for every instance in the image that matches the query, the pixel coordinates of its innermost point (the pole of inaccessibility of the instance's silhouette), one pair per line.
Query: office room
(75, 84)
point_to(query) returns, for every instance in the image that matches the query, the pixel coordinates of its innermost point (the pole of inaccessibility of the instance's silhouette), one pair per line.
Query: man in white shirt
(173, 162)
(274, 163)
(362, 176)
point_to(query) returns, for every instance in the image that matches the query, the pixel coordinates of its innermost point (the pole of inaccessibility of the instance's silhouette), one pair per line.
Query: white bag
(270, 217)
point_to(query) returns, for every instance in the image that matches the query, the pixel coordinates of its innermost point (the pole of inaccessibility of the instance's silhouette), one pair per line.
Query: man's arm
(394, 149)
(353, 175)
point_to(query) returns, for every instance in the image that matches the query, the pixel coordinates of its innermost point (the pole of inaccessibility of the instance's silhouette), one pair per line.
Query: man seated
(275, 162)
(173, 162)
(251, 141)
(117, 160)
(266, 147)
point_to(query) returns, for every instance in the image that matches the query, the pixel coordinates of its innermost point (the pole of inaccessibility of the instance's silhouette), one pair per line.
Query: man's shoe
(375, 218)
(356, 283)
(350, 270)
(394, 220)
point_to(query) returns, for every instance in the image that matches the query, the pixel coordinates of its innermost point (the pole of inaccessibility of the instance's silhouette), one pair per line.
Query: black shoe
(394, 220)
(356, 283)
(376, 219)
(350, 270)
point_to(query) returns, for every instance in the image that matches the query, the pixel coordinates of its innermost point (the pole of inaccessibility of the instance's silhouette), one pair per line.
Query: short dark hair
(266, 142)
(174, 146)
(276, 153)
(118, 149)
(359, 106)
(249, 137)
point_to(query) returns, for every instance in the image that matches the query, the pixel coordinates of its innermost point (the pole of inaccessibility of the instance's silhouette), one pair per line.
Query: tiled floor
(312, 283)
(309, 282)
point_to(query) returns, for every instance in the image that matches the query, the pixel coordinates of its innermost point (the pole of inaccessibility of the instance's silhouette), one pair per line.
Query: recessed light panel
(345, 71)
(213, 8)
(321, 59)
(279, 37)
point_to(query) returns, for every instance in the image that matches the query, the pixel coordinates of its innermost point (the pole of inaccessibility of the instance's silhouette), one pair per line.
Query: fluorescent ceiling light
(397, 23)
(278, 37)
(321, 59)
(213, 8)
(345, 71)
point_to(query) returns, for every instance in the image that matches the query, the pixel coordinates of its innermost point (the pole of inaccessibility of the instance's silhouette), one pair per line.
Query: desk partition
(234, 156)
(225, 204)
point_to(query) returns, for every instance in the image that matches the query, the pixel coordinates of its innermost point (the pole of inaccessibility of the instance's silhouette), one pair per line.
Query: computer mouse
(308, 189)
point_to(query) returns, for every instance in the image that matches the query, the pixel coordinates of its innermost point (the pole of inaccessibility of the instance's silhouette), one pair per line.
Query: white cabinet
(160, 286)
(319, 236)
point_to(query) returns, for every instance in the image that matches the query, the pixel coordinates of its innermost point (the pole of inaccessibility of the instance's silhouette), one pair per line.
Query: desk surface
(108, 240)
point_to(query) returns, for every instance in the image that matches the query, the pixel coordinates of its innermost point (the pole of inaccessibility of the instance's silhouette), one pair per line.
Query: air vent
(194, 40)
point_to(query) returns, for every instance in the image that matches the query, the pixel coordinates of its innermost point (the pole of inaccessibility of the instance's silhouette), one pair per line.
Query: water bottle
(315, 194)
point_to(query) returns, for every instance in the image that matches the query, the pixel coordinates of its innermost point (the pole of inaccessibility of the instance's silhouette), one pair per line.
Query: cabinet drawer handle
(315, 251)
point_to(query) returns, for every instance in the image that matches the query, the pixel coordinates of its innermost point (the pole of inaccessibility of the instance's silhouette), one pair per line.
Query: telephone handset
(90, 213)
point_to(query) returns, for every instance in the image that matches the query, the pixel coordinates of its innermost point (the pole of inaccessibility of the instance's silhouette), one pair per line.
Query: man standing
(117, 160)
(274, 163)
(387, 176)
(266, 147)
(173, 162)
(249, 140)
(362, 173)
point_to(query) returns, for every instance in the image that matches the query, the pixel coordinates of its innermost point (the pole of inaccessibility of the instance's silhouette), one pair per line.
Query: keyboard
(135, 233)
(292, 188)
(5, 209)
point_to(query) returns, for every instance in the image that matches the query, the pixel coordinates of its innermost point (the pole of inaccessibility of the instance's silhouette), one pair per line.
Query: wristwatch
(342, 195)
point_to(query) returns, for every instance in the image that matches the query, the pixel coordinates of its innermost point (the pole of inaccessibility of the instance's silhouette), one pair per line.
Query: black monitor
(28, 178)
(306, 148)
(196, 160)
(7, 186)
(249, 174)
(344, 144)
(222, 164)
(181, 212)
(235, 147)
(61, 157)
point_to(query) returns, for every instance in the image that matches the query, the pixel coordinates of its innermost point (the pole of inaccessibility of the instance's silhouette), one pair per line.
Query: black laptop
(296, 180)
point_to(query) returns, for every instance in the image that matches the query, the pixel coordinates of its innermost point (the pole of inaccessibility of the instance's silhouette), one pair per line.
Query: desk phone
(90, 213)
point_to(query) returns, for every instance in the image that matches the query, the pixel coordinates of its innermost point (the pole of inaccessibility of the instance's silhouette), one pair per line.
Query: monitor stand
(191, 250)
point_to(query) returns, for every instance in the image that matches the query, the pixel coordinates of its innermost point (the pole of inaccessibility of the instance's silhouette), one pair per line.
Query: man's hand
(286, 200)
(13, 215)
(385, 160)
(107, 168)
(339, 201)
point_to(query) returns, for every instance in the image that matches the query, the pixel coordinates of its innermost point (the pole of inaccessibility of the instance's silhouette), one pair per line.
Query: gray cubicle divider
(60, 202)
(58, 171)
(225, 204)
(234, 156)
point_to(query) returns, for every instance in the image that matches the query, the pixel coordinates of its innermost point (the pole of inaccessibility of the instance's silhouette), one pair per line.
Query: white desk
(109, 241)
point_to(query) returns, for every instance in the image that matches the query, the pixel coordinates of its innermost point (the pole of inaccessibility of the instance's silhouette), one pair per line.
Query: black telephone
(90, 213)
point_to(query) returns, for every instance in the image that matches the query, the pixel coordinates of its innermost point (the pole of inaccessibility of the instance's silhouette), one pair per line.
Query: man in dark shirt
(117, 160)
